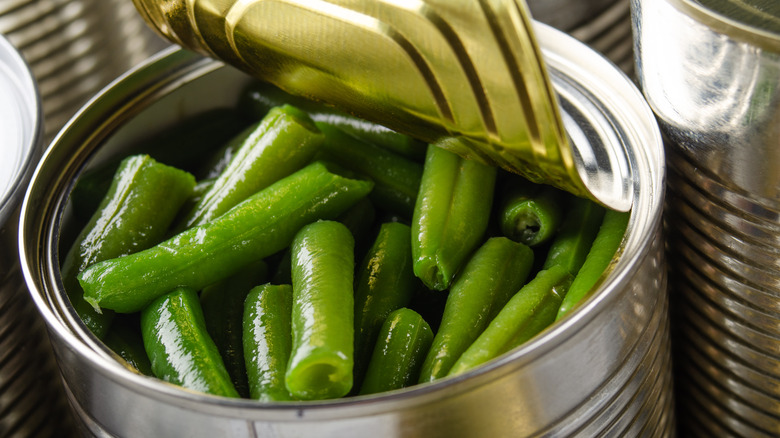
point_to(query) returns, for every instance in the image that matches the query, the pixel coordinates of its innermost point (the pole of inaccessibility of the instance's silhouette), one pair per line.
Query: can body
(715, 91)
(603, 371)
(31, 399)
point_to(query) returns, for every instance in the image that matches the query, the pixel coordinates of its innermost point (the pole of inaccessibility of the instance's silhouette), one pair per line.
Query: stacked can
(31, 398)
(711, 72)
(75, 47)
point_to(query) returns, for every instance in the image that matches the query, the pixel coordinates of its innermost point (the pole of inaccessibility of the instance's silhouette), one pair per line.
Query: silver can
(31, 399)
(602, 371)
(713, 80)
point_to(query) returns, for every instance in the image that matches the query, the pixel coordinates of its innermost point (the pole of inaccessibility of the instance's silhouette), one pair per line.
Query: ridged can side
(715, 93)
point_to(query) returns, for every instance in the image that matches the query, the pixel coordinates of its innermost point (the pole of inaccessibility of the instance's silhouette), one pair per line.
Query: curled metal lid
(433, 68)
(20, 127)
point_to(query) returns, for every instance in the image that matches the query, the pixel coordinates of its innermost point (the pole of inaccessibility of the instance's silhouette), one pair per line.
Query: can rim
(736, 29)
(16, 74)
(417, 395)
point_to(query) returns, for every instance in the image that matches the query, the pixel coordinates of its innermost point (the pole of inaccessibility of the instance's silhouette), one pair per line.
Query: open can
(604, 370)
(31, 398)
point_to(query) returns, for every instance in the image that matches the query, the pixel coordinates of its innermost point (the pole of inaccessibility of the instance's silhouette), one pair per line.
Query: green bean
(450, 216)
(220, 159)
(385, 282)
(283, 272)
(259, 97)
(397, 179)
(527, 313)
(359, 219)
(128, 345)
(223, 311)
(141, 203)
(530, 213)
(268, 340)
(402, 343)
(601, 255)
(263, 224)
(321, 359)
(283, 142)
(493, 274)
(182, 146)
(179, 346)
(576, 235)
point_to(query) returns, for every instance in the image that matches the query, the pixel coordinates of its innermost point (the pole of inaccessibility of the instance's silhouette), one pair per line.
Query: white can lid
(20, 127)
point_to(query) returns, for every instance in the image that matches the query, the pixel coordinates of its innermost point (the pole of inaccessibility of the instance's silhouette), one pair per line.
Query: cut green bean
(402, 343)
(183, 146)
(140, 205)
(223, 311)
(573, 241)
(262, 225)
(527, 313)
(179, 347)
(450, 216)
(530, 213)
(283, 142)
(259, 97)
(397, 179)
(220, 159)
(385, 282)
(493, 274)
(268, 340)
(128, 344)
(601, 255)
(321, 360)
(361, 221)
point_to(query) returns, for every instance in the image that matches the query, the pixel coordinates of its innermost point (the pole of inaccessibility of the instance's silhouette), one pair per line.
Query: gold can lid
(430, 69)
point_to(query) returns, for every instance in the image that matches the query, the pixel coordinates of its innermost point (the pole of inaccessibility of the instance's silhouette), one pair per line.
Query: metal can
(31, 399)
(713, 81)
(602, 371)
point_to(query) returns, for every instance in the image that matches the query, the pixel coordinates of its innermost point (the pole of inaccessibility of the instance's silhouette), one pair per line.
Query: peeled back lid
(20, 127)
(432, 69)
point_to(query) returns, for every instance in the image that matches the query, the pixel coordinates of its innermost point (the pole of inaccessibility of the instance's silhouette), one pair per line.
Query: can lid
(471, 70)
(20, 126)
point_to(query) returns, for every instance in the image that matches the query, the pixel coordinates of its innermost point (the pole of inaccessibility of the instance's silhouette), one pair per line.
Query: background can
(713, 81)
(74, 48)
(603, 371)
(31, 399)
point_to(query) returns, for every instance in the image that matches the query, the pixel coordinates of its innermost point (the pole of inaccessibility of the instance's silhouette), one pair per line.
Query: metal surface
(568, 15)
(602, 371)
(714, 83)
(31, 399)
(430, 69)
(75, 47)
(610, 34)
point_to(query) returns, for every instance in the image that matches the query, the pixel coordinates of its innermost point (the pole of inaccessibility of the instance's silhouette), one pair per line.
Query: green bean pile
(286, 251)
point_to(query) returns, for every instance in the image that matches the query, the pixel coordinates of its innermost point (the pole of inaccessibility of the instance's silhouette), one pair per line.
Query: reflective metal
(75, 47)
(427, 68)
(31, 400)
(602, 371)
(713, 81)
(568, 15)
